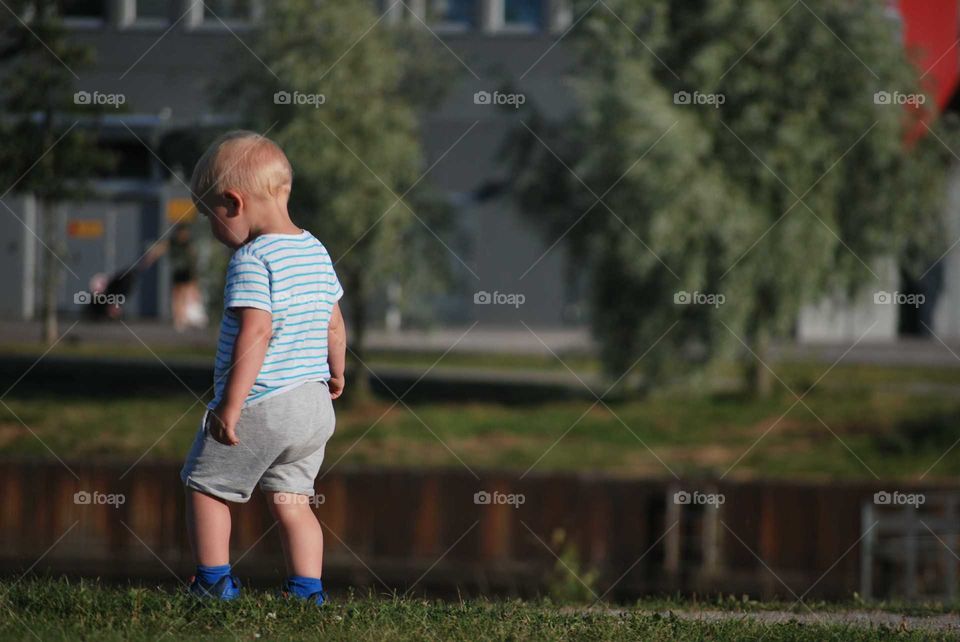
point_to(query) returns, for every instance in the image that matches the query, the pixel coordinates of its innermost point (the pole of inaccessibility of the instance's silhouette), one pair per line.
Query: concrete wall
(946, 315)
(877, 318)
(127, 223)
(867, 317)
(18, 220)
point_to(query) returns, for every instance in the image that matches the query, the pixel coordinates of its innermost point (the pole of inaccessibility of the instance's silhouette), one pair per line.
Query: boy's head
(240, 180)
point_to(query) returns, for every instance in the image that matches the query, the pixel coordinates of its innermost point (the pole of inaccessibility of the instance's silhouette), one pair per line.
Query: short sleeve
(337, 288)
(248, 284)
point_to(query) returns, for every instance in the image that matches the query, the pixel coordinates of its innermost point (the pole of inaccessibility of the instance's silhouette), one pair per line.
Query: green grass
(893, 434)
(856, 422)
(60, 610)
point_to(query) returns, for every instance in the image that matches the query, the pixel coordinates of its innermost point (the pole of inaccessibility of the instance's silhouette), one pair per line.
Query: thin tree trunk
(51, 237)
(51, 271)
(356, 337)
(760, 375)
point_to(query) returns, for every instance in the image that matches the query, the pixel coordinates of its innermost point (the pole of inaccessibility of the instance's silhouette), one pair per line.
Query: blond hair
(245, 161)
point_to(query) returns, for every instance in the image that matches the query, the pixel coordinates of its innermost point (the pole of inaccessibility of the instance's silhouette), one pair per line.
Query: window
(153, 10)
(227, 10)
(85, 10)
(523, 13)
(454, 13)
(131, 160)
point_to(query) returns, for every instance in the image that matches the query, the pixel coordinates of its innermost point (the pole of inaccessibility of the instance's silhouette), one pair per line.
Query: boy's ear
(235, 200)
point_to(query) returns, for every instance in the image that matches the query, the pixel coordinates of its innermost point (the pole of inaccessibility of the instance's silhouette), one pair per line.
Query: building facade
(162, 56)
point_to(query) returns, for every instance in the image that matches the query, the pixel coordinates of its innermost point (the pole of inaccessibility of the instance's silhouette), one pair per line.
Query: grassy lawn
(894, 422)
(58, 610)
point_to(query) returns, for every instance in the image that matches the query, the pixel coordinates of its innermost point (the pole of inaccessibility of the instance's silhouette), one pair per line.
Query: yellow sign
(181, 210)
(85, 228)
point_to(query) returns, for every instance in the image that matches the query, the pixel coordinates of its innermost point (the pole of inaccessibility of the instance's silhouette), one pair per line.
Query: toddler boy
(280, 363)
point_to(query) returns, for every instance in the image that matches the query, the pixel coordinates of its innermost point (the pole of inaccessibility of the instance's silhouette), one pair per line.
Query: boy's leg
(208, 527)
(215, 474)
(308, 421)
(300, 533)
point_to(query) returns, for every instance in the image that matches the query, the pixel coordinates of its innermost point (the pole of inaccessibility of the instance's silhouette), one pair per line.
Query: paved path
(866, 619)
(478, 339)
(500, 340)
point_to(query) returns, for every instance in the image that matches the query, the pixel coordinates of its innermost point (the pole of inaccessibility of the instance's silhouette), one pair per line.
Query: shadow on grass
(112, 377)
(934, 432)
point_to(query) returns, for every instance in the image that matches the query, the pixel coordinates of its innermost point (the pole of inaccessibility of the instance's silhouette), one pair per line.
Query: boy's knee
(288, 505)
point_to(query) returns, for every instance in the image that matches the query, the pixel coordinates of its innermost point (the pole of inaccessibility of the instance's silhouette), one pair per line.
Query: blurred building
(892, 303)
(162, 56)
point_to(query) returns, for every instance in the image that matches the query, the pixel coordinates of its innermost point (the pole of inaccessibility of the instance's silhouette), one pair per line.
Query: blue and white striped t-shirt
(290, 276)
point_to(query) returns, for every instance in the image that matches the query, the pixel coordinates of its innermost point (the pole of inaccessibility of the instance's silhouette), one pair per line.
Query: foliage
(785, 182)
(37, 102)
(49, 146)
(569, 582)
(356, 151)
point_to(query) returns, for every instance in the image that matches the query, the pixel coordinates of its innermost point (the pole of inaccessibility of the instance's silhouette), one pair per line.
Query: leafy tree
(356, 153)
(46, 150)
(779, 180)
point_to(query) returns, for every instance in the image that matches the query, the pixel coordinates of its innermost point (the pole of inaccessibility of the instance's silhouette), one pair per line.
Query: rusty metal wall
(394, 529)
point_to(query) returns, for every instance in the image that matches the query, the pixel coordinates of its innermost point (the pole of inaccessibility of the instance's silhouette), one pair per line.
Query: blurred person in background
(111, 291)
(186, 300)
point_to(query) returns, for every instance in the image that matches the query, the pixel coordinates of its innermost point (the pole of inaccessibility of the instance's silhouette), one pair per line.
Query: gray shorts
(282, 440)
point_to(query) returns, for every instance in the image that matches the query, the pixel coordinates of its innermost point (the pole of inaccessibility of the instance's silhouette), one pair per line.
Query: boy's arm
(336, 352)
(249, 350)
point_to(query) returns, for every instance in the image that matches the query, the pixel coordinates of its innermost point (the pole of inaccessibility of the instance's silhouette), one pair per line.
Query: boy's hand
(337, 352)
(222, 424)
(336, 384)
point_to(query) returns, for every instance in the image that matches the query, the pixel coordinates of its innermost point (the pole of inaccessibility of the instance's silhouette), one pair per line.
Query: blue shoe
(319, 598)
(226, 588)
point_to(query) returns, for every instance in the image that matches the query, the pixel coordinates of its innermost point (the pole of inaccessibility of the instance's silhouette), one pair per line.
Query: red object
(930, 34)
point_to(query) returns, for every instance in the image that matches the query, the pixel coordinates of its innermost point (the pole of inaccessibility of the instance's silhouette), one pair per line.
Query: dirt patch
(712, 455)
(859, 618)
(865, 619)
(787, 425)
(9, 433)
(366, 414)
